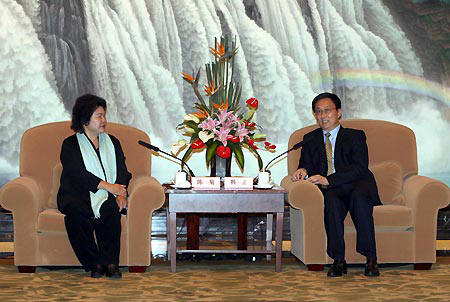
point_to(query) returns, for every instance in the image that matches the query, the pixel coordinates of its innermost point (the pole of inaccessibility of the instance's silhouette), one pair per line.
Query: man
(336, 159)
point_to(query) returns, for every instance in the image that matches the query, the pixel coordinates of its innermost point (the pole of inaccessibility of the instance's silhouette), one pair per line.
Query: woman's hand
(122, 202)
(116, 189)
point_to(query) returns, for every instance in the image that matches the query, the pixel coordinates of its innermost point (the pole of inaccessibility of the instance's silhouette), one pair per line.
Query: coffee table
(269, 201)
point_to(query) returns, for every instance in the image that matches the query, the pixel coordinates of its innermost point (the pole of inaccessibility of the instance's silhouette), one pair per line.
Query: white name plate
(206, 183)
(238, 183)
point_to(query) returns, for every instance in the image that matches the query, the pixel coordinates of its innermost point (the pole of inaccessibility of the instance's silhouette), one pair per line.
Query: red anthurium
(198, 144)
(252, 143)
(270, 146)
(234, 139)
(223, 151)
(251, 125)
(252, 102)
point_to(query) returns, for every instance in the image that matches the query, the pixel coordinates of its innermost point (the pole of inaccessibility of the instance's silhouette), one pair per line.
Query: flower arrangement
(220, 125)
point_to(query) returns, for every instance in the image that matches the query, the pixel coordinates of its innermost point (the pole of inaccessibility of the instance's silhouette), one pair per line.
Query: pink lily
(241, 132)
(223, 115)
(222, 135)
(209, 124)
(228, 123)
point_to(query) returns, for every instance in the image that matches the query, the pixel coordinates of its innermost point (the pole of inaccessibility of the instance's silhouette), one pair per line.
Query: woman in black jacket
(93, 189)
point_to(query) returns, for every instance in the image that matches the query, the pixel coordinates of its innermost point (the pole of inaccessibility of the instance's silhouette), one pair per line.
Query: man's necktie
(329, 150)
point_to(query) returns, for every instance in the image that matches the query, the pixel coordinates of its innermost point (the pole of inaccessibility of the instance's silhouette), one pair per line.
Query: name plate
(238, 183)
(206, 183)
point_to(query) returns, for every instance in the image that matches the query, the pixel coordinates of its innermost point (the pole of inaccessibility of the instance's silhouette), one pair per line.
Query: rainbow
(383, 78)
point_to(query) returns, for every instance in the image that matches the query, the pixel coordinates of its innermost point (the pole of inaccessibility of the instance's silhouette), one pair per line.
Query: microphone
(295, 147)
(156, 149)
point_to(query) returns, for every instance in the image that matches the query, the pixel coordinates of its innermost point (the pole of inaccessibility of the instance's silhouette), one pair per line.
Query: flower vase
(220, 167)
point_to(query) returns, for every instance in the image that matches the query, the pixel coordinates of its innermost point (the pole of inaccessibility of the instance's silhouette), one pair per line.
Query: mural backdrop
(387, 60)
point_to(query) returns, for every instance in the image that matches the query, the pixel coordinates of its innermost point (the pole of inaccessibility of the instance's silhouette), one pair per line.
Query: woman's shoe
(113, 271)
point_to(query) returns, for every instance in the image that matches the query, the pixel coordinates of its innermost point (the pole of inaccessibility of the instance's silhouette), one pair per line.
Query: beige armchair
(40, 237)
(405, 225)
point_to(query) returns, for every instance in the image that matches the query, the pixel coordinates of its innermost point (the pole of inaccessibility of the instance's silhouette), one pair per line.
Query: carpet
(228, 280)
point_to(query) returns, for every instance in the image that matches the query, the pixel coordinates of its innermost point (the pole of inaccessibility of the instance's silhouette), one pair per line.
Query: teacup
(180, 179)
(264, 179)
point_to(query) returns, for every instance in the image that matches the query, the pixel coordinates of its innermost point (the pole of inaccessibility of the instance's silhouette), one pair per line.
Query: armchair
(406, 223)
(40, 237)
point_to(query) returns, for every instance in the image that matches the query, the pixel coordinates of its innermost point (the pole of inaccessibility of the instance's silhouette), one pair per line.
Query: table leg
(168, 232)
(269, 234)
(242, 220)
(193, 226)
(173, 241)
(279, 241)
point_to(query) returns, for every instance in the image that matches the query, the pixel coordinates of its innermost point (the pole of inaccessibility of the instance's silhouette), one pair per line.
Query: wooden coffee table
(227, 201)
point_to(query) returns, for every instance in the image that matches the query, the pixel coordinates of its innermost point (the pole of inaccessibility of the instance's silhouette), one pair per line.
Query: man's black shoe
(113, 271)
(97, 271)
(371, 268)
(337, 268)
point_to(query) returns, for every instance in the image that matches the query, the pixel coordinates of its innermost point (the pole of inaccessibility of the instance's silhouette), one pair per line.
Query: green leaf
(197, 77)
(211, 150)
(259, 135)
(194, 137)
(248, 115)
(186, 156)
(199, 96)
(191, 124)
(237, 150)
(208, 73)
(260, 162)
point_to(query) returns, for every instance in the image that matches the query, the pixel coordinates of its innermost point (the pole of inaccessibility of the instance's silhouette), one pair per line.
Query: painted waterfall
(133, 52)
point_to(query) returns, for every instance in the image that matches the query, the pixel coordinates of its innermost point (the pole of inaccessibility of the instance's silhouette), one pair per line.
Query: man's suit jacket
(351, 160)
(76, 181)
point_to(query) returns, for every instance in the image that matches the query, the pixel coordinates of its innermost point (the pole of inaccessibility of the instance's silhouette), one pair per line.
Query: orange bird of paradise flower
(222, 106)
(219, 51)
(210, 90)
(188, 77)
(201, 113)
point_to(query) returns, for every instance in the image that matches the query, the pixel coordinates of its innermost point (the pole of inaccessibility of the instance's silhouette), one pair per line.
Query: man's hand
(300, 174)
(122, 202)
(318, 180)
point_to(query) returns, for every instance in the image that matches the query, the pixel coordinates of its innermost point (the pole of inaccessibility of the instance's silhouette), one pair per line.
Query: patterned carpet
(230, 280)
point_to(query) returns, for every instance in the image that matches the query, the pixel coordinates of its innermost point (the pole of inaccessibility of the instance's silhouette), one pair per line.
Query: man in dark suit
(336, 159)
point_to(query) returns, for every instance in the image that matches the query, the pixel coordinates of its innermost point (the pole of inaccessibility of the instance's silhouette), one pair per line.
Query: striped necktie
(329, 150)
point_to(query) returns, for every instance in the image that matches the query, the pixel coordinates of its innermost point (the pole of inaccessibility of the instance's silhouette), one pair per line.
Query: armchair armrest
(148, 192)
(425, 196)
(23, 197)
(422, 191)
(307, 225)
(303, 195)
(146, 195)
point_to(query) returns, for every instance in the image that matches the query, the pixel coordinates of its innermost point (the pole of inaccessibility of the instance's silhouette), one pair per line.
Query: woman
(93, 188)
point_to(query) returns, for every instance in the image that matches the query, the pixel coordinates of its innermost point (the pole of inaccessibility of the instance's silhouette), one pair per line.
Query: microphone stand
(295, 147)
(156, 149)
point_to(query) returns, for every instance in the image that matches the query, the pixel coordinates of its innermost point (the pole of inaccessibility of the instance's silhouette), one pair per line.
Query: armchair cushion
(388, 175)
(51, 220)
(389, 216)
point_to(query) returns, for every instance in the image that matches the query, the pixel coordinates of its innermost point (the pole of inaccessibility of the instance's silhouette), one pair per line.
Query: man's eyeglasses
(325, 110)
